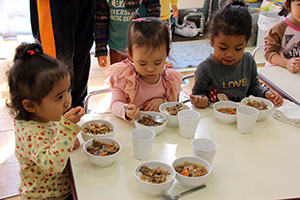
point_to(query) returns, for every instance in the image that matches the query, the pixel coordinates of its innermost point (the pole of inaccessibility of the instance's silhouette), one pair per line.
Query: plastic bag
(267, 20)
(189, 30)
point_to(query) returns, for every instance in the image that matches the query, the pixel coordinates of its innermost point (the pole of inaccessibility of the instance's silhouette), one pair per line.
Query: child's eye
(158, 63)
(223, 49)
(238, 49)
(60, 97)
(142, 64)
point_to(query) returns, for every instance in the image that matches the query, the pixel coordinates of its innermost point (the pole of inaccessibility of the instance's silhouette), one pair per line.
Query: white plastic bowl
(263, 114)
(172, 120)
(224, 117)
(151, 188)
(102, 161)
(192, 181)
(87, 137)
(156, 129)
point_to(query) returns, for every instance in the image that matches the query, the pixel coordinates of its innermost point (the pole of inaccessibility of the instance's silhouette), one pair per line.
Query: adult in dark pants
(65, 29)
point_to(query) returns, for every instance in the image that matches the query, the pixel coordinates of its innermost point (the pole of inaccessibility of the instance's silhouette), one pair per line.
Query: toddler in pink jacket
(143, 81)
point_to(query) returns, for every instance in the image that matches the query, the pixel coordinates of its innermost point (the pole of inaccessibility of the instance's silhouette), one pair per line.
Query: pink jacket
(124, 82)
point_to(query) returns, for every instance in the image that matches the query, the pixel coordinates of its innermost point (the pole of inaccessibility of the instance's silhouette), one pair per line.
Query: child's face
(295, 11)
(149, 62)
(228, 49)
(55, 103)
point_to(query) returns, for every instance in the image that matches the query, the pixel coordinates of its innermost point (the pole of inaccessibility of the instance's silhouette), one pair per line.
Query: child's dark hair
(285, 10)
(151, 32)
(32, 77)
(232, 19)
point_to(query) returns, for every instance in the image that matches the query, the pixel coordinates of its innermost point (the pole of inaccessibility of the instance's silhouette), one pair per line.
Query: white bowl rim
(171, 103)
(105, 138)
(155, 161)
(200, 177)
(152, 112)
(193, 146)
(220, 102)
(99, 121)
(243, 102)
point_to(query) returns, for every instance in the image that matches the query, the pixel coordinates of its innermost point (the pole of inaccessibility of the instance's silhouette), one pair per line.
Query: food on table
(98, 148)
(97, 129)
(147, 121)
(173, 110)
(231, 111)
(260, 105)
(155, 175)
(191, 169)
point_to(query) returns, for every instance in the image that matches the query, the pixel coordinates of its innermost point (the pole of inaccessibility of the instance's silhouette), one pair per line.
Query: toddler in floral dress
(45, 126)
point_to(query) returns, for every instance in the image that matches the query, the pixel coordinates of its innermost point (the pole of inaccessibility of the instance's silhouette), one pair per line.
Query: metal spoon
(175, 197)
(156, 118)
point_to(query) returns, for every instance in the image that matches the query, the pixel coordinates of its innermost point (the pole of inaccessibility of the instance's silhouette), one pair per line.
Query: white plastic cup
(142, 140)
(246, 118)
(188, 122)
(205, 148)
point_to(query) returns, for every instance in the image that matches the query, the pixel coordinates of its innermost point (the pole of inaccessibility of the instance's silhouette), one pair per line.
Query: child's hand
(102, 61)
(74, 114)
(132, 112)
(293, 65)
(274, 97)
(199, 101)
(153, 104)
(175, 11)
(77, 144)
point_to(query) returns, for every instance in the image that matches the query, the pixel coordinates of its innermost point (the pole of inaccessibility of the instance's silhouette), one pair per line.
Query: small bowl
(151, 188)
(172, 119)
(192, 181)
(87, 137)
(225, 118)
(263, 114)
(102, 161)
(156, 129)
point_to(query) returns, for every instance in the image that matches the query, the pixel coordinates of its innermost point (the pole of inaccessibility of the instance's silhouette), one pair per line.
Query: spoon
(156, 118)
(175, 197)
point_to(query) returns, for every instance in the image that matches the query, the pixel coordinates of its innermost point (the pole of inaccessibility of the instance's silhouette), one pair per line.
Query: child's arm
(174, 8)
(101, 31)
(49, 154)
(274, 97)
(292, 64)
(118, 105)
(272, 47)
(201, 87)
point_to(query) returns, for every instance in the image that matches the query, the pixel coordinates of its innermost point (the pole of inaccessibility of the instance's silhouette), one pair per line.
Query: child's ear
(212, 42)
(129, 55)
(29, 105)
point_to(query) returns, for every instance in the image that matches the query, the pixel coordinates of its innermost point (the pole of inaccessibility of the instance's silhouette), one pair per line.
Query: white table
(263, 165)
(281, 80)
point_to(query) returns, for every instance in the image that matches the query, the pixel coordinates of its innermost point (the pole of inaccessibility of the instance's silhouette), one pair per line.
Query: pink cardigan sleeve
(172, 82)
(122, 79)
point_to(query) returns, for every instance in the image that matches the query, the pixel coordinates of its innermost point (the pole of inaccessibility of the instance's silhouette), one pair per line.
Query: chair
(186, 87)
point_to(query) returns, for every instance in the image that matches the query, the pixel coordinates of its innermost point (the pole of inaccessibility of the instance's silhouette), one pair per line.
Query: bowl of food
(151, 120)
(225, 111)
(171, 109)
(102, 152)
(97, 128)
(191, 171)
(264, 106)
(154, 177)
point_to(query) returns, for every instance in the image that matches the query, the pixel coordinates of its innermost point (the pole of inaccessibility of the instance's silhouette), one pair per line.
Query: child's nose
(68, 100)
(230, 53)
